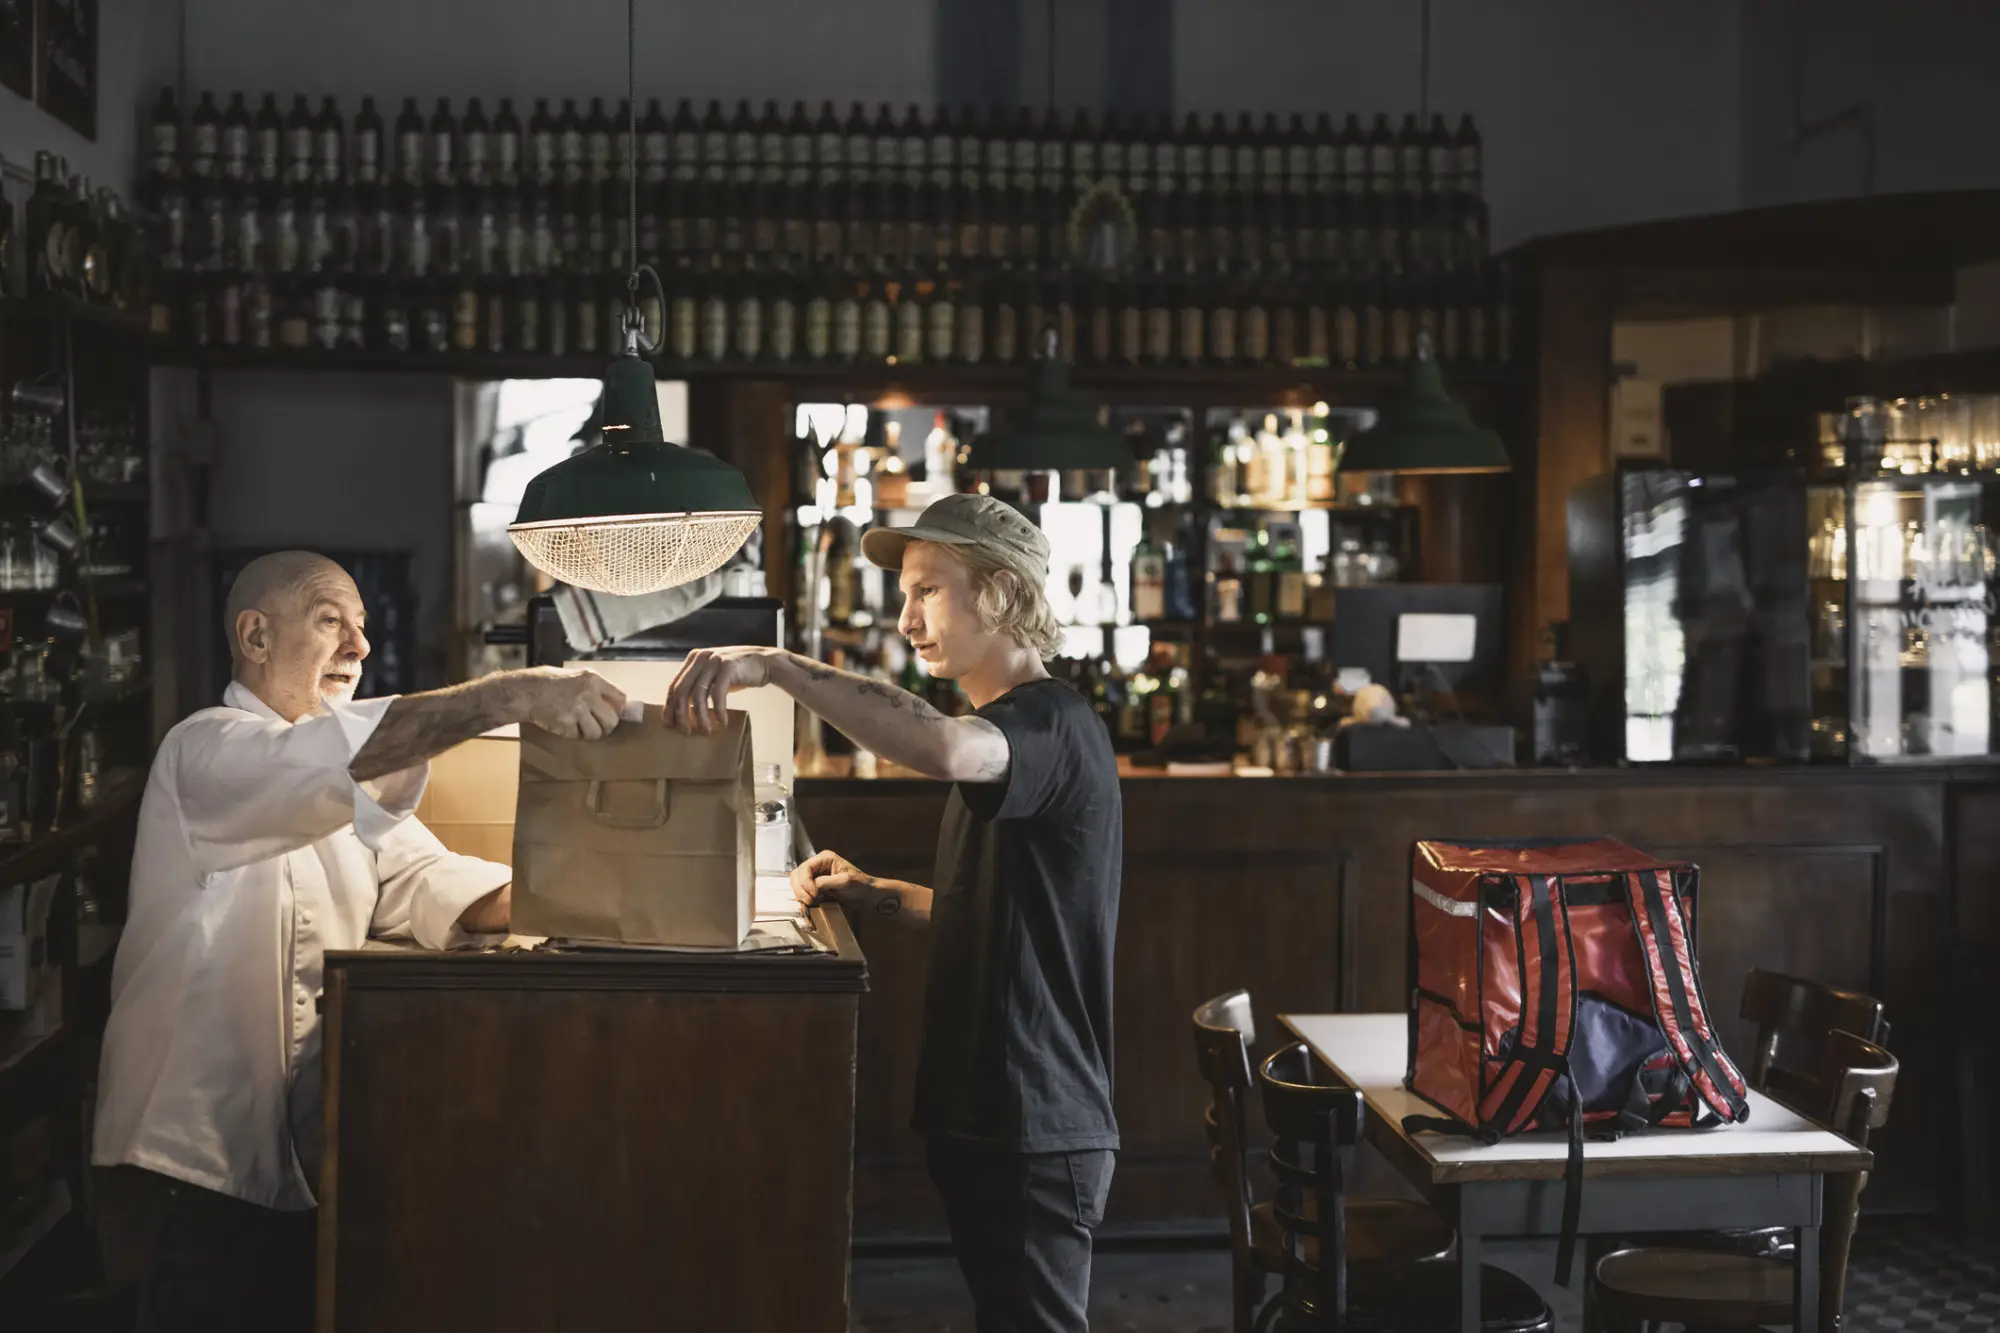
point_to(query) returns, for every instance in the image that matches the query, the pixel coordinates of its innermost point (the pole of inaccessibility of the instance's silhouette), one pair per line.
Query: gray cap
(967, 520)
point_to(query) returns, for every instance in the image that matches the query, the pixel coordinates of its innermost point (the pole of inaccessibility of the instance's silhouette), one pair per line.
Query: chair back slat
(1793, 1017)
(1223, 1034)
(1314, 1117)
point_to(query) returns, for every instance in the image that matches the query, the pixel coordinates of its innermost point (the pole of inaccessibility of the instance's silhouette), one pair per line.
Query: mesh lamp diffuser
(1055, 430)
(632, 513)
(1425, 432)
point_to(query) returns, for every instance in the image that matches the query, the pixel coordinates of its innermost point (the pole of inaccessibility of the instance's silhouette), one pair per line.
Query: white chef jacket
(257, 851)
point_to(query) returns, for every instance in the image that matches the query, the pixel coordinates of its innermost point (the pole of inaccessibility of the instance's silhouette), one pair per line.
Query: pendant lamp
(633, 513)
(1055, 430)
(1425, 431)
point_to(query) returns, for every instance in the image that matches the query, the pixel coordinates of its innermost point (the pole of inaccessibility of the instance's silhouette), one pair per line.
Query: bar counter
(1881, 879)
(588, 1140)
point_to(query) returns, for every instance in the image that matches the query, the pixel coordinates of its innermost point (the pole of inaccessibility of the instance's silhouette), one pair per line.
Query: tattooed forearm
(417, 726)
(894, 723)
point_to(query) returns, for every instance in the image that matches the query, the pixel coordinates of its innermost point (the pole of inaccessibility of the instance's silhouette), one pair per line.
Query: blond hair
(1005, 601)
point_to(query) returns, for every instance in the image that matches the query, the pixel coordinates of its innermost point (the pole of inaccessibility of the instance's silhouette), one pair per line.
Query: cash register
(1437, 646)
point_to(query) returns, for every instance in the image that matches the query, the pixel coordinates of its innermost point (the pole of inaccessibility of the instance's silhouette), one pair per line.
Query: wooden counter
(1298, 888)
(588, 1141)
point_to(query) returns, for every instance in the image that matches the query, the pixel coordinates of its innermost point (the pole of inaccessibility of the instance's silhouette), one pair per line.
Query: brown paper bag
(643, 837)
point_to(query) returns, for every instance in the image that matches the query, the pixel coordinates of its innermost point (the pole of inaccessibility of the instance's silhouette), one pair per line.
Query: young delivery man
(1014, 1084)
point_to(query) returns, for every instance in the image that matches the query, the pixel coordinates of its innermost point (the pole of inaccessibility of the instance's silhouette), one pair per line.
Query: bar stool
(1315, 1122)
(1379, 1230)
(1705, 1289)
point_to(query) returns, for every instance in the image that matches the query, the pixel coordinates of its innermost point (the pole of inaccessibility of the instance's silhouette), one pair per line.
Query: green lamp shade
(1055, 430)
(634, 514)
(1425, 432)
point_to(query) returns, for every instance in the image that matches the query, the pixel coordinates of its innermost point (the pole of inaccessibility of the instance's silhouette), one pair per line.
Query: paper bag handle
(593, 802)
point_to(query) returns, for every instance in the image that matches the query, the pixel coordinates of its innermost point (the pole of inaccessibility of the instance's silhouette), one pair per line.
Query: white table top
(1371, 1051)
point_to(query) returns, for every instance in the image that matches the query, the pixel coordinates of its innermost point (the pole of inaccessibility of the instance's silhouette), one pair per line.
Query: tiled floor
(1906, 1277)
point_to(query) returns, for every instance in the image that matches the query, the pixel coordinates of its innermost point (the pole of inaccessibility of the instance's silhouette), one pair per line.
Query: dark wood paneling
(506, 1158)
(1299, 891)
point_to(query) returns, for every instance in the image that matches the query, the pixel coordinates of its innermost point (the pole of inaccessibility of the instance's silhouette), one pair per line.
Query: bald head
(295, 631)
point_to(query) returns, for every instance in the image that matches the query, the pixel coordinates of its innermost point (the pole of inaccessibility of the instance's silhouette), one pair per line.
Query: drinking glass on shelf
(1941, 421)
(1983, 429)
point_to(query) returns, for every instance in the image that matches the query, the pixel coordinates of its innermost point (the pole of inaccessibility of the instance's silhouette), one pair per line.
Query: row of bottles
(566, 145)
(905, 317)
(76, 240)
(414, 231)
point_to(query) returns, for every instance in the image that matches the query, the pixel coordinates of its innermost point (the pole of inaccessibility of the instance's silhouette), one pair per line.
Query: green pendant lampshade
(1425, 431)
(634, 514)
(1055, 430)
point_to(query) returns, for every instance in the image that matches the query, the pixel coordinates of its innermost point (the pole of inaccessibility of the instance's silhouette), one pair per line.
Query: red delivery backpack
(1556, 989)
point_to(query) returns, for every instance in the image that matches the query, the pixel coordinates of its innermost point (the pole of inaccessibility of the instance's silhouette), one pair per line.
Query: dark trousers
(195, 1261)
(1020, 1226)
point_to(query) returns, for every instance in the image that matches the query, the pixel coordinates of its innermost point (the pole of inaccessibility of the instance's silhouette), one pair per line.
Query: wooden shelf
(76, 311)
(41, 855)
(1255, 385)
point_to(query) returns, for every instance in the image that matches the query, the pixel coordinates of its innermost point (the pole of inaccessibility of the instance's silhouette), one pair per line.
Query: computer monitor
(1445, 635)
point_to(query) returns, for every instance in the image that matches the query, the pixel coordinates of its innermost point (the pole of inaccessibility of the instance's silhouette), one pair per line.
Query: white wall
(1593, 114)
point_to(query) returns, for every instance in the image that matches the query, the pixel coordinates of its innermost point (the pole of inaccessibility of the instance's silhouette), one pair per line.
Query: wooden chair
(1315, 1118)
(1793, 1018)
(1379, 1230)
(1709, 1289)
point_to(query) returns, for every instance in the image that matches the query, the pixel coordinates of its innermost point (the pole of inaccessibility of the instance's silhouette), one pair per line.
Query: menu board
(66, 63)
(17, 46)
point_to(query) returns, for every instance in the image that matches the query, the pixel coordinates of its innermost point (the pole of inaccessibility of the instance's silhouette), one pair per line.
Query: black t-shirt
(1017, 1011)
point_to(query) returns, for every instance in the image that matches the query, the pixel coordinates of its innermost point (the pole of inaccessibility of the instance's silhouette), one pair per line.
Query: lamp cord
(632, 144)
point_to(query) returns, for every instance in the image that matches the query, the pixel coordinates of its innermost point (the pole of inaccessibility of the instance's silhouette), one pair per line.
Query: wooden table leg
(1471, 1257)
(1805, 1283)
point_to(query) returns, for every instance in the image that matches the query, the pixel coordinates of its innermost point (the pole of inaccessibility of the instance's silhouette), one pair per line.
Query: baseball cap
(967, 520)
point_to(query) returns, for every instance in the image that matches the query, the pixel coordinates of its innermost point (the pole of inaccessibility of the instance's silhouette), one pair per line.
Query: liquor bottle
(1051, 154)
(1355, 160)
(1025, 208)
(878, 327)
(1219, 156)
(1159, 336)
(741, 145)
(1149, 580)
(907, 315)
(655, 145)
(682, 333)
(1253, 324)
(1295, 147)
(1003, 321)
(235, 134)
(969, 342)
(287, 243)
(1470, 158)
(368, 161)
(940, 315)
(746, 320)
(798, 148)
(771, 155)
(971, 154)
(299, 138)
(1130, 336)
(1246, 161)
(411, 150)
(1284, 303)
(846, 321)
(783, 309)
(1412, 157)
(329, 144)
(442, 165)
(205, 138)
(997, 152)
(816, 320)
(1222, 320)
(829, 148)
(597, 143)
(622, 146)
(1151, 153)
(859, 144)
(1190, 341)
(163, 157)
(1111, 150)
(475, 145)
(1024, 152)
(1323, 153)
(1188, 154)
(912, 145)
(685, 136)
(569, 144)
(1440, 159)
(1381, 156)
(941, 153)
(1098, 337)
(492, 154)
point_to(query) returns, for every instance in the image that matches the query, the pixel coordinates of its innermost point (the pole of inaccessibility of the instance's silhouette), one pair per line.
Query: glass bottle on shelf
(773, 812)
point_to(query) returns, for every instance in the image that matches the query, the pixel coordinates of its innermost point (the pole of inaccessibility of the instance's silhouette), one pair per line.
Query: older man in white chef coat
(275, 827)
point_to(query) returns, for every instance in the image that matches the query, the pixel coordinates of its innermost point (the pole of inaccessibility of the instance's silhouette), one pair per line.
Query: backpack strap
(1677, 1003)
(1547, 963)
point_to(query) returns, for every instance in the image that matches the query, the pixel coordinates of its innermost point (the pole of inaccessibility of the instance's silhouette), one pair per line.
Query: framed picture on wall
(17, 46)
(66, 63)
